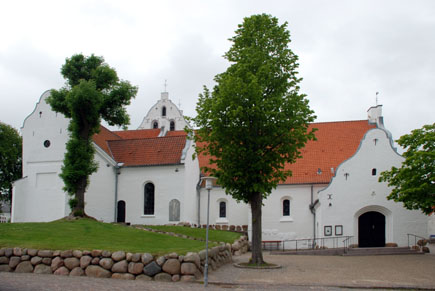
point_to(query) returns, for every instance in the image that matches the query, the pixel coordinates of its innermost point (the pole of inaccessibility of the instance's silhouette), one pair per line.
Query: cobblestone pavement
(297, 273)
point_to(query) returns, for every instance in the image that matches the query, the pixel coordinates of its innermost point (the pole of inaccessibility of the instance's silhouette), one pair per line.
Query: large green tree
(92, 92)
(255, 120)
(10, 160)
(414, 182)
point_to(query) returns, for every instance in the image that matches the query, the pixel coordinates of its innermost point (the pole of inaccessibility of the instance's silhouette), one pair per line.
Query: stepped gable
(336, 142)
(149, 151)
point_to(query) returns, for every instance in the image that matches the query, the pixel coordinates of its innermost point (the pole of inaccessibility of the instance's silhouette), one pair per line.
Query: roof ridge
(341, 121)
(148, 138)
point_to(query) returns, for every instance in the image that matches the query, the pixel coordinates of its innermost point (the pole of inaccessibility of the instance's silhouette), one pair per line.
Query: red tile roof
(149, 151)
(141, 147)
(336, 142)
(176, 133)
(140, 133)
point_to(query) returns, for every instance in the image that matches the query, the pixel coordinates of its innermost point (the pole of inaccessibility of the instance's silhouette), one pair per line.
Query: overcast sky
(348, 51)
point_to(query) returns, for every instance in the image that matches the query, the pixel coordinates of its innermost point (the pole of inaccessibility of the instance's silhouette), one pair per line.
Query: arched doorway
(371, 230)
(121, 211)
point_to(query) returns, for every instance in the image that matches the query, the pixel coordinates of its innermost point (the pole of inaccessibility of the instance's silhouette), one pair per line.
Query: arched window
(286, 207)
(164, 111)
(155, 124)
(222, 209)
(172, 126)
(148, 208)
(374, 172)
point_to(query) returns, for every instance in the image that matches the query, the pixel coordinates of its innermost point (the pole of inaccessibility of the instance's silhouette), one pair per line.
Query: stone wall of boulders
(120, 265)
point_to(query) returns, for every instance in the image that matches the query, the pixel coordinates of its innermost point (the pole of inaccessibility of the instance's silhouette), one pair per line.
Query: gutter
(198, 192)
(312, 207)
(117, 168)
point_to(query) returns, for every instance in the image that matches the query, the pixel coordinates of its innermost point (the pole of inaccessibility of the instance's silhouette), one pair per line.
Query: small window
(374, 172)
(163, 111)
(286, 207)
(149, 199)
(47, 143)
(155, 124)
(222, 209)
(172, 126)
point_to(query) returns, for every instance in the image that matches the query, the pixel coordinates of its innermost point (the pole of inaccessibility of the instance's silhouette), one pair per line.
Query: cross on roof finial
(165, 85)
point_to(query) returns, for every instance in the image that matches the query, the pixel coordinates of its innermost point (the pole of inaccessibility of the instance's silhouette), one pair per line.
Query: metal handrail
(346, 244)
(319, 242)
(415, 240)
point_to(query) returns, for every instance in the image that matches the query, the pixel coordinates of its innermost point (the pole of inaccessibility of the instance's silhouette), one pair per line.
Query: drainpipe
(117, 172)
(313, 211)
(198, 192)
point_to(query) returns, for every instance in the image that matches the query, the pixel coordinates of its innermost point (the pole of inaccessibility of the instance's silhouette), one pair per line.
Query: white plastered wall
(355, 191)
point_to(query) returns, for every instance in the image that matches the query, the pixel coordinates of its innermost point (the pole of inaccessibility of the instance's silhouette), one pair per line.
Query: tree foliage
(255, 120)
(92, 92)
(10, 160)
(414, 181)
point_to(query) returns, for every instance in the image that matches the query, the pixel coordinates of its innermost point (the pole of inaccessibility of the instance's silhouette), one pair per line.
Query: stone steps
(381, 251)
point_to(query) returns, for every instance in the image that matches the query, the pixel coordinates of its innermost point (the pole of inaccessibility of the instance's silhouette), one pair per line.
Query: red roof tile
(137, 134)
(336, 142)
(176, 133)
(102, 137)
(148, 151)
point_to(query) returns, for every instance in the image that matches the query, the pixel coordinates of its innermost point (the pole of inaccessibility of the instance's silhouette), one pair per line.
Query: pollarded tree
(414, 182)
(255, 120)
(93, 91)
(10, 160)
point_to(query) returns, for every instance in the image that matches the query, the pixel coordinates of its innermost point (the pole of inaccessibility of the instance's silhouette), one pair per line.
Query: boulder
(45, 253)
(151, 269)
(5, 268)
(95, 261)
(24, 267)
(17, 252)
(56, 263)
(32, 252)
(163, 277)
(106, 254)
(118, 256)
(202, 255)
(425, 250)
(175, 278)
(135, 268)
(172, 256)
(66, 254)
(123, 276)
(96, 253)
(77, 271)
(62, 271)
(146, 258)
(71, 263)
(144, 278)
(86, 253)
(106, 263)
(46, 261)
(161, 260)
(120, 267)
(56, 253)
(2, 252)
(25, 258)
(135, 257)
(4, 260)
(42, 269)
(192, 258)
(172, 266)
(188, 269)
(128, 256)
(77, 253)
(14, 261)
(97, 271)
(9, 252)
(85, 261)
(36, 260)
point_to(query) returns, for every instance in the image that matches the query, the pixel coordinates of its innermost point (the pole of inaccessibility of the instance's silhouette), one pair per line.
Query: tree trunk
(256, 203)
(79, 209)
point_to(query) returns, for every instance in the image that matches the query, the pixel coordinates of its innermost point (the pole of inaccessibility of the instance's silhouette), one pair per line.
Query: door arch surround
(374, 208)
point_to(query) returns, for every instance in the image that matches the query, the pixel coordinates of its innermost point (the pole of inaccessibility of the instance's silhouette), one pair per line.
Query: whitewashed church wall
(189, 211)
(168, 182)
(355, 190)
(299, 224)
(236, 213)
(100, 194)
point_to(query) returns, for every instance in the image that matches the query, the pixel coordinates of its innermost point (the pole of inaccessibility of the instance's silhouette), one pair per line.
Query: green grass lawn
(87, 234)
(213, 235)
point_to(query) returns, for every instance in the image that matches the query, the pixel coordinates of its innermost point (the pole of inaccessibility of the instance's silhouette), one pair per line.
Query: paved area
(297, 273)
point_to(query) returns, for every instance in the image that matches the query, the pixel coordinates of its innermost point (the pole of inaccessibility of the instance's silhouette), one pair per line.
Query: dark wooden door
(371, 230)
(121, 211)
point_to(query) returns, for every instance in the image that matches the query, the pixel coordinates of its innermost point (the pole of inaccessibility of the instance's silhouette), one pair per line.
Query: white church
(147, 176)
